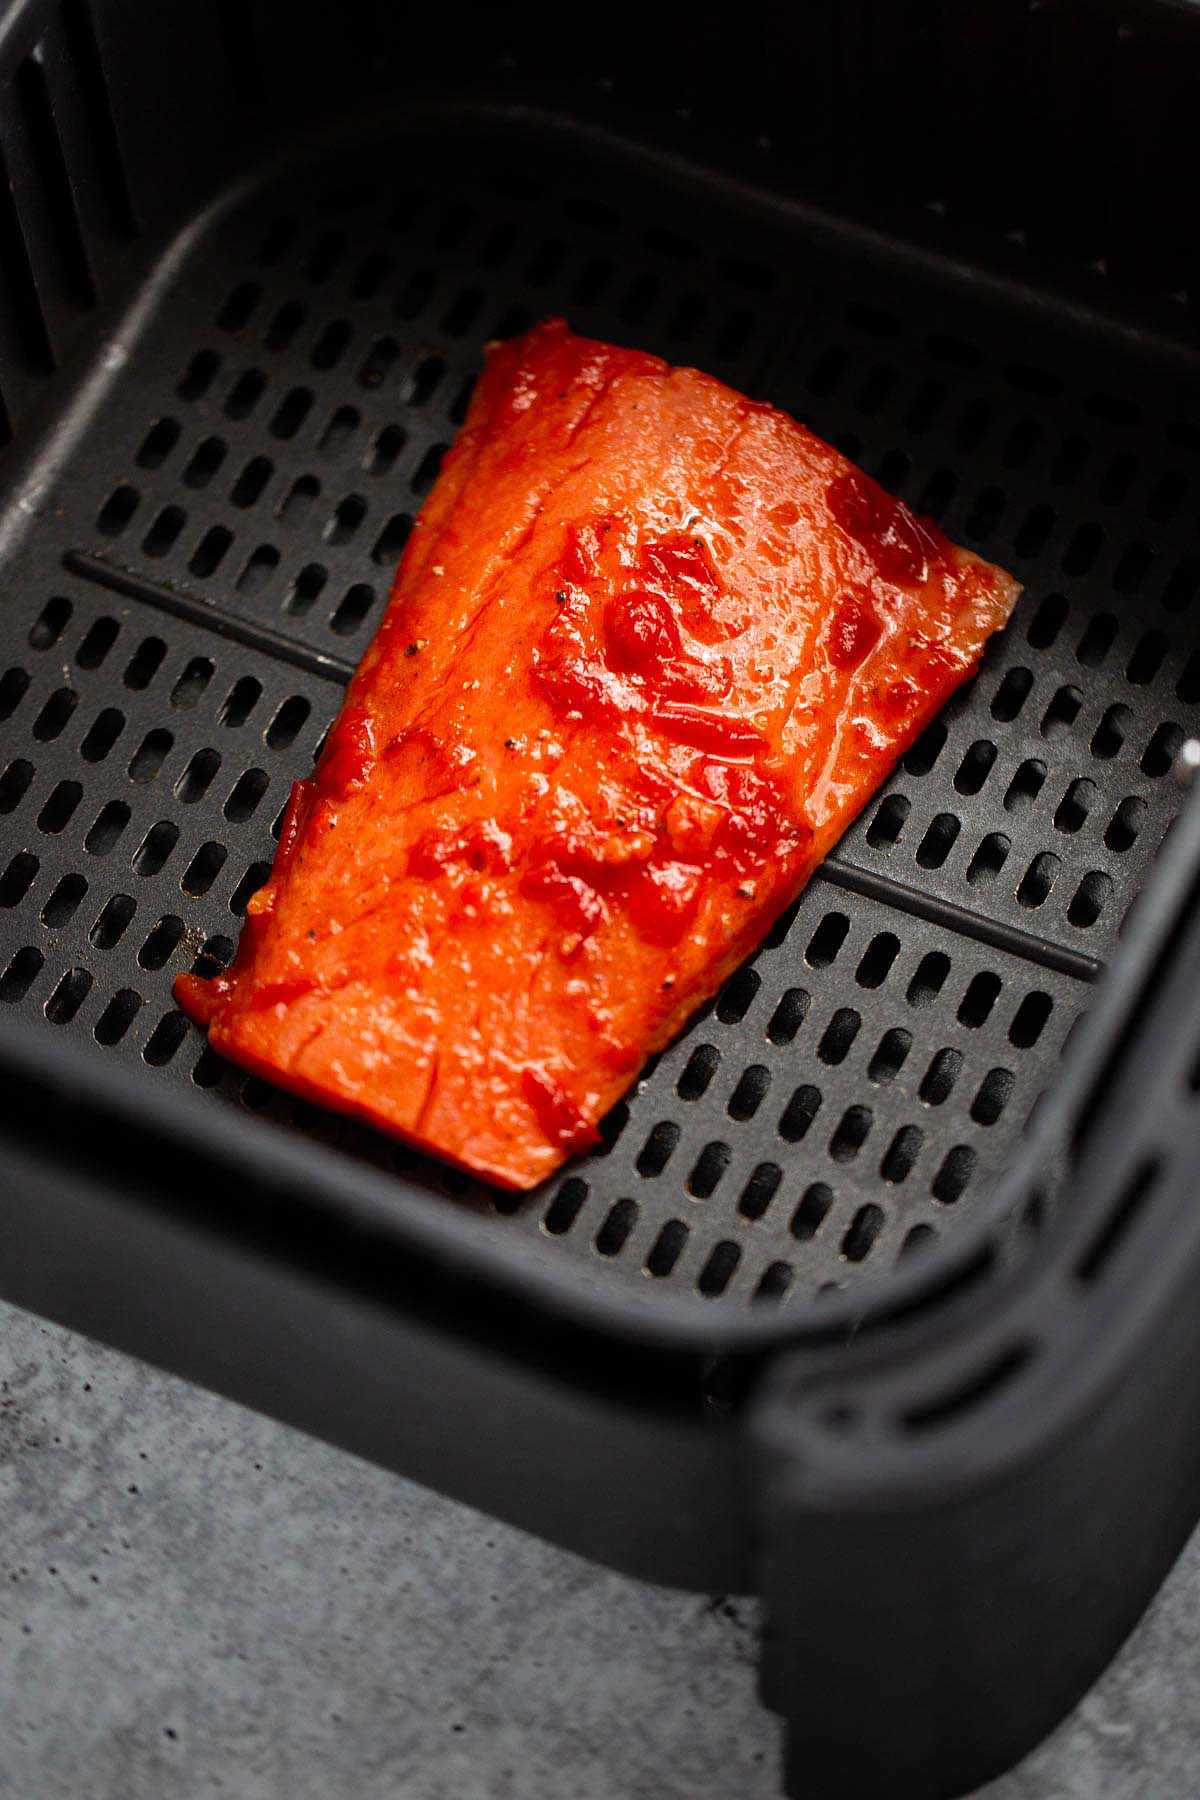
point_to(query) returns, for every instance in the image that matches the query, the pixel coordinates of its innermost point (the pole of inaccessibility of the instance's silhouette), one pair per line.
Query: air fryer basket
(202, 517)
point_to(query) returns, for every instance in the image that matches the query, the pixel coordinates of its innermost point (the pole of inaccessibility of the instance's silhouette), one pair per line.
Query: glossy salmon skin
(651, 647)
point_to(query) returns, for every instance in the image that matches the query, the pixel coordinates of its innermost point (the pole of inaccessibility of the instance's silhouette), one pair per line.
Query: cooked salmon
(651, 647)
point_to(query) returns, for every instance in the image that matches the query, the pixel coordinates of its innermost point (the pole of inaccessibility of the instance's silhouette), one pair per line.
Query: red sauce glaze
(557, 1113)
(901, 546)
(663, 902)
(650, 648)
(349, 755)
(854, 630)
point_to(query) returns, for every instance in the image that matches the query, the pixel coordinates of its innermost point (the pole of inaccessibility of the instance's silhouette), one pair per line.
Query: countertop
(195, 1601)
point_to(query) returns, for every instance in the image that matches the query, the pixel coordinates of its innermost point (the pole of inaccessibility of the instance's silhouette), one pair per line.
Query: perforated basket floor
(214, 550)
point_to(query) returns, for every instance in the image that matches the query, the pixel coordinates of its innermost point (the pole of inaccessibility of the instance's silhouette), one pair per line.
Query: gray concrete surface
(194, 1602)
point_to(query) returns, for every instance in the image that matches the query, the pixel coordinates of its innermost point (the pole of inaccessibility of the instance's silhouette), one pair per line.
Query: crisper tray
(204, 551)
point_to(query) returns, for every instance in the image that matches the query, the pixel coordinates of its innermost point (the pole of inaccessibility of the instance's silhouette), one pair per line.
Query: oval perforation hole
(154, 849)
(614, 1232)
(53, 718)
(565, 1207)
(890, 1056)
(14, 784)
(1030, 1020)
(68, 996)
(1147, 658)
(203, 869)
(950, 1182)
(1011, 695)
(245, 796)
(1075, 805)
(347, 516)
(165, 1039)
(50, 623)
(352, 610)
(656, 1152)
(144, 664)
(1033, 533)
(13, 686)
(799, 1114)
(150, 755)
(938, 1082)
(253, 479)
(1038, 879)
(839, 1035)
(117, 1017)
(117, 510)
(877, 960)
(100, 637)
(331, 346)
(1162, 750)
(210, 552)
(708, 1169)
(245, 394)
(862, 1233)
(1125, 824)
(928, 747)
(827, 940)
(975, 767)
(666, 1249)
(938, 841)
(1089, 899)
(59, 807)
(851, 1133)
(888, 823)
(737, 995)
(304, 590)
(719, 1268)
(1132, 568)
(213, 957)
(385, 448)
(1109, 735)
(198, 776)
(1061, 713)
(291, 413)
(981, 995)
(759, 1190)
(698, 1072)
(110, 822)
(929, 978)
(103, 733)
(1047, 621)
(21, 974)
(250, 883)
(113, 922)
(1183, 585)
(240, 702)
(1083, 551)
(901, 1154)
(162, 942)
(288, 722)
(1187, 688)
(918, 1235)
(284, 325)
(199, 375)
(774, 1282)
(1097, 640)
(988, 859)
(812, 1212)
(1025, 786)
(993, 1096)
(204, 462)
(788, 1016)
(191, 684)
(750, 1092)
(257, 570)
(343, 423)
(392, 539)
(18, 878)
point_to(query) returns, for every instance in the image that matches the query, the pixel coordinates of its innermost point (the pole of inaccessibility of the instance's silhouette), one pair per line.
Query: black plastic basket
(877, 1296)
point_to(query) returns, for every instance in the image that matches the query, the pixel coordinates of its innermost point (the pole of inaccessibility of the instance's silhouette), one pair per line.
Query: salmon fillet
(651, 647)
